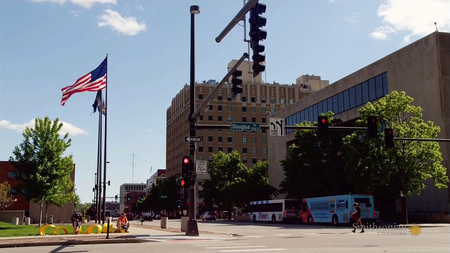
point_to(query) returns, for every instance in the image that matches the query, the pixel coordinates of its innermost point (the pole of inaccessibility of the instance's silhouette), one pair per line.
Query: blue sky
(46, 45)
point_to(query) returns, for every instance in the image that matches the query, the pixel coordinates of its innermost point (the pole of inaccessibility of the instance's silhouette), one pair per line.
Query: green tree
(61, 193)
(404, 168)
(41, 166)
(256, 185)
(5, 194)
(227, 174)
(314, 166)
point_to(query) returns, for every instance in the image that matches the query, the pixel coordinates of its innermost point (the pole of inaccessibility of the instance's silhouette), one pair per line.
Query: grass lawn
(9, 230)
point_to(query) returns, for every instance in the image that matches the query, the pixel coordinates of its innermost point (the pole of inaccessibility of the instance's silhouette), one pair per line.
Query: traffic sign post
(193, 138)
(201, 166)
(276, 127)
(245, 127)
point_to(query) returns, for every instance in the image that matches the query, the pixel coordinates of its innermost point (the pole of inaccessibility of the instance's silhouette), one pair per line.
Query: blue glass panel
(341, 102)
(310, 114)
(330, 104)
(365, 92)
(372, 89)
(302, 116)
(358, 93)
(315, 112)
(325, 106)
(335, 104)
(320, 107)
(385, 84)
(346, 100)
(379, 86)
(352, 97)
(306, 114)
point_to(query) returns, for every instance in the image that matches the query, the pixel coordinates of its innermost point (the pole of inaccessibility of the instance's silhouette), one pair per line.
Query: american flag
(92, 81)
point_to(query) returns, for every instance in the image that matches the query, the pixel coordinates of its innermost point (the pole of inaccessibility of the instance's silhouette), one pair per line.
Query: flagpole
(106, 127)
(99, 170)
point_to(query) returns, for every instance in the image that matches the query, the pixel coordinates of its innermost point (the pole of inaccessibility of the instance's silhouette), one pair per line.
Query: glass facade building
(356, 96)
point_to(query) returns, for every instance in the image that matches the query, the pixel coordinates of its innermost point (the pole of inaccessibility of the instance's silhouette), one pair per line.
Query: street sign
(245, 127)
(200, 166)
(193, 138)
(276, 127)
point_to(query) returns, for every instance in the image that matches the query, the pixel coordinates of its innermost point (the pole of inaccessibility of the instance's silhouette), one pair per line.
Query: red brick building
(7, 174)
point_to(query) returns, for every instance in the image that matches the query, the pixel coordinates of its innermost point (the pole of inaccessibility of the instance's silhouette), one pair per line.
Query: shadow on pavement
(62, 247)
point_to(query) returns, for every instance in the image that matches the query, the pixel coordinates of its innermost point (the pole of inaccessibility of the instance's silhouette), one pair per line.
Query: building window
(219, 108)
(229, 98)
(210, 138)
(264, 140)
(11, 174)
(272, 110)
(263, 110)
(201, 117)
(264, 151)
(210, 149)
(253, 99)
(200, 96)
(263, 99)
(219, 97)
(244, 161)
(244, 119)
(220, 149)
(244, 99)
(220, 138)
(244, 109)
(263, 120)
(264, 131)
(210, 117)
(219, 118)
(254, 140)
(253, 109)
(210, 159)
(244, 139)
(254, 151)
(200, 149)
(291, 101)
(210, 107)
(229, 108)
(254, 161)
(272, 100)
(282, 101)
(230, 139)
(229, 118)
(230, 149)
(244, 150)
(253, 119)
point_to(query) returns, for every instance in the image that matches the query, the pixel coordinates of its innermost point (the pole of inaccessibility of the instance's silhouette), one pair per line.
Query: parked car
(148, 217)
(130, 216)
(209, 216)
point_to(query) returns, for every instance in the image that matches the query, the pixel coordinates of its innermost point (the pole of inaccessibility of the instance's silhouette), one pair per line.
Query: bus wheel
(273, 218)
(254, 218)
(310, 221)
(335, 220)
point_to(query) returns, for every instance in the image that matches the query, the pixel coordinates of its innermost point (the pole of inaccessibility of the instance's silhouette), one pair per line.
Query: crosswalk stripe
(249, 250)
(234, 247)
(218, 244)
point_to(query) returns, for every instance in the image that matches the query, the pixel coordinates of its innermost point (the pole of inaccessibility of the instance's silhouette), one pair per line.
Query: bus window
(364, 201)
(291, 205)
(346, 204)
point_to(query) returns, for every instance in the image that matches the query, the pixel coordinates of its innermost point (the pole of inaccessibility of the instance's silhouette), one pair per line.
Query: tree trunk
(404, 210)
(40, 211)
(46, 218)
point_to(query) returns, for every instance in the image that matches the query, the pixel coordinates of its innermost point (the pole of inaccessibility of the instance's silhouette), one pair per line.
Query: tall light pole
(96, 194)
(192, 228)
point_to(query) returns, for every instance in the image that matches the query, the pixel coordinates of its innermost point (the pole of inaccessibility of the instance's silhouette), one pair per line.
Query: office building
(257, 101)
(130, 193)
(421, 69)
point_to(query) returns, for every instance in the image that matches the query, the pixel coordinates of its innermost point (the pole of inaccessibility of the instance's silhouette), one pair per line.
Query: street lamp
(192, 228)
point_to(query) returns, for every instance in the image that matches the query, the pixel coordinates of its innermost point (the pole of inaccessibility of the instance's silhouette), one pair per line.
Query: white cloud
(123, 25)
(67, 127)
(414, 16)
(84, 3)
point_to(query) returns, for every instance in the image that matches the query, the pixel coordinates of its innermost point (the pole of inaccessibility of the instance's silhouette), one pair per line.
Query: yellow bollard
(41, 229)
(105, 228)
(59, 228)
(90, 229)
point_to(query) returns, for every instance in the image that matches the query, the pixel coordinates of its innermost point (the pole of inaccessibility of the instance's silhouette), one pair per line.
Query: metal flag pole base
(192, 228)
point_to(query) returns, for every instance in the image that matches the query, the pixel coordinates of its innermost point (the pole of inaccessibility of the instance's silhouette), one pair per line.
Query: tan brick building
(257, 101)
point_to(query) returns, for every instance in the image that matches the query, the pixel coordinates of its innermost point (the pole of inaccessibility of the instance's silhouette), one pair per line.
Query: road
(261, 237)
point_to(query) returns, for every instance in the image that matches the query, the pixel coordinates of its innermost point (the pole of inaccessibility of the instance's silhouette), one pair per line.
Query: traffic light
(322, 126)
(185, 171)
(129, 198)
(389, 137)
(236, 82)
(256, 34)
(182, 183)
(372, 127)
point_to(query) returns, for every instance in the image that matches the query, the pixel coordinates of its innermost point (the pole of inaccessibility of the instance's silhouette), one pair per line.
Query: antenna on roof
(436, 26)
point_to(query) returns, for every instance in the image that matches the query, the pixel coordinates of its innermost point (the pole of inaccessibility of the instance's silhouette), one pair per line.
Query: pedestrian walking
(357, 216)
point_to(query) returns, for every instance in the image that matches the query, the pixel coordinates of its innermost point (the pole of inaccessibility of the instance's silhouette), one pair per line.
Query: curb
(101, 241)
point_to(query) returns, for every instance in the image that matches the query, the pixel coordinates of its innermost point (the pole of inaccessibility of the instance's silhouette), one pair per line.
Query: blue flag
(99, 104)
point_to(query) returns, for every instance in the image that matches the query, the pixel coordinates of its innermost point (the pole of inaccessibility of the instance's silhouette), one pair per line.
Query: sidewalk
(137, 234)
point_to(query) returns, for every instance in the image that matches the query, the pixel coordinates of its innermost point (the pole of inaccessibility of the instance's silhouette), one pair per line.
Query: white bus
(275, 210)
(337, 209)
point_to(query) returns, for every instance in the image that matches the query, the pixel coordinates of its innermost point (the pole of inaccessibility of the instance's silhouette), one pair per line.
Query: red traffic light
(182, 182)
(186, 160)
(324, 121)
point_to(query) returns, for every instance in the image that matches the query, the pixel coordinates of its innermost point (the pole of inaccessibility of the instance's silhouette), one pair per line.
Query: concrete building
(256, 102)
(421, 69)
(156, 178)
(133, 191)
(31, 209)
